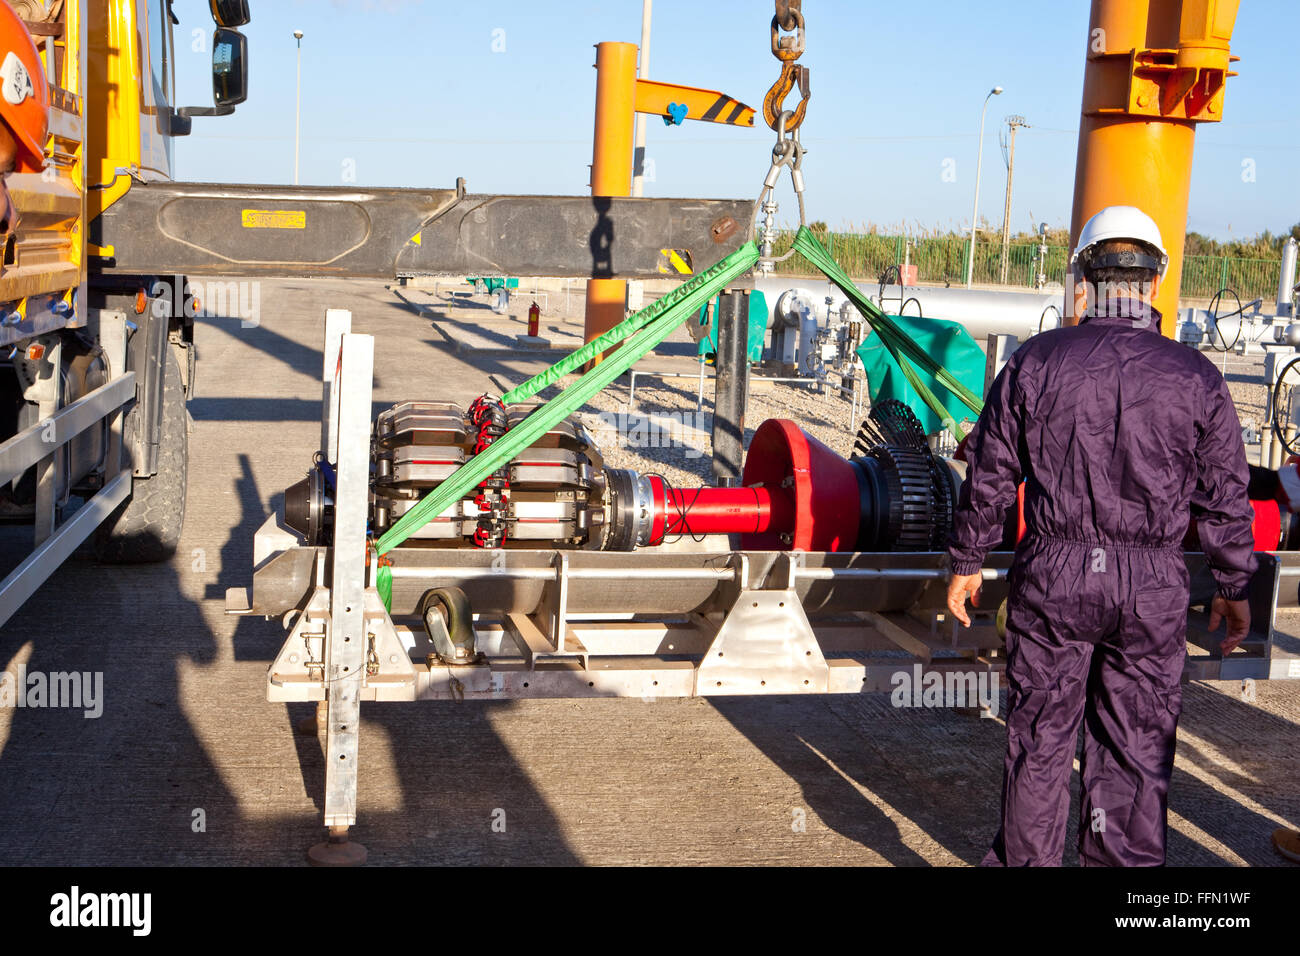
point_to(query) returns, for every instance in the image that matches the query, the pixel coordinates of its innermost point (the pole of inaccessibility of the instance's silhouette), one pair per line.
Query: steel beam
(709, 106)
(206, 229)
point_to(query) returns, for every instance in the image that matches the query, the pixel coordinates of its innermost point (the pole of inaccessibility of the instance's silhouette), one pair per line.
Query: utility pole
(1013, 122)
(643, 73)
(635, 287)
(297, 109)
(975, 209)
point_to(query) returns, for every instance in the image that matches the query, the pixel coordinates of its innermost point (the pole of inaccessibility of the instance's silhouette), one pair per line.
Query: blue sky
(410, 93)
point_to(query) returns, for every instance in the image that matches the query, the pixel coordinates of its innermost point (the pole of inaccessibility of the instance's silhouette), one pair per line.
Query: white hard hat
(1123, 222)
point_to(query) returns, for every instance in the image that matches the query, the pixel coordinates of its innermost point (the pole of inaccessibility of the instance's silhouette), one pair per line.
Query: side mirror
(229, 13)
(229, 67)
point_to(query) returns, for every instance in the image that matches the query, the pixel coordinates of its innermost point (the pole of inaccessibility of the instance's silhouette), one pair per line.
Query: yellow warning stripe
(674, 259)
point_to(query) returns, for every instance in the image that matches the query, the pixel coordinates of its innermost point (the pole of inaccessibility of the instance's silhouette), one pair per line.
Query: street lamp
(297, 110)
(974, 216)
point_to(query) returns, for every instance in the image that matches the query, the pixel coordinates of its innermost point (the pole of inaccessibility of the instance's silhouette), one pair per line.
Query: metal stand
(348, 368)
(312, 726)
(338, 850)
(585, 623)
(731, 388)
(634, 374)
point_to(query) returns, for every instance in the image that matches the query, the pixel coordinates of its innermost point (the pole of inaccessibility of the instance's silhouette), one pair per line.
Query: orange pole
(1155, 69)
(611, 168)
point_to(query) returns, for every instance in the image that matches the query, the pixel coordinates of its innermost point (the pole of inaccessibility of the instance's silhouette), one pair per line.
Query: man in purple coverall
(1120, 435)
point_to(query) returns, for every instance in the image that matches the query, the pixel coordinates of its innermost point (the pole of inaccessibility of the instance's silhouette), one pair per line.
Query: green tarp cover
(492, 283)
(909, 355)
(948, 344)
(757, 328)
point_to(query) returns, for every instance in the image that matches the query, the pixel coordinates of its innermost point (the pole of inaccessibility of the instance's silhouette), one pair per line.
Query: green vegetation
(1249, 266)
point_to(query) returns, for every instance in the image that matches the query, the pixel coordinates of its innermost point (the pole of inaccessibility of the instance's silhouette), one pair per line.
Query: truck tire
(147, 526)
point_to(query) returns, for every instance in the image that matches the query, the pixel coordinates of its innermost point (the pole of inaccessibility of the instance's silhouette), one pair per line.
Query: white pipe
(1286, 284)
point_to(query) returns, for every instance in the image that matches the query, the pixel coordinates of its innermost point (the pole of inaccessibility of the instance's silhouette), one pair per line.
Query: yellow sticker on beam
(418, 237)
(274, 218)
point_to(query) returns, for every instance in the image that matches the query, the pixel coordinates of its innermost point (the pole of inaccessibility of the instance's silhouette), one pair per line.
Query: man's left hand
(961, 586)
(1237, 614)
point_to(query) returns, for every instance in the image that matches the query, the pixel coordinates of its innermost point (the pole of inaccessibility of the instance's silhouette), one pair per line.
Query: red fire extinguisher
(534, 317)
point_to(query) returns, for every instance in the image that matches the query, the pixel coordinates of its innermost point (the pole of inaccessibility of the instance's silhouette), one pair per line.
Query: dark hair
(1118, 275)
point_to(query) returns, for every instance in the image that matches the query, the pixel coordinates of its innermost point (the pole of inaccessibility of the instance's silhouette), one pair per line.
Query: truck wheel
(147, 526)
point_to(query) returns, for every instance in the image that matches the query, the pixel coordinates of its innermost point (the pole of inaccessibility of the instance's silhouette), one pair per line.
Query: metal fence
(1249, 278)
(867, 255)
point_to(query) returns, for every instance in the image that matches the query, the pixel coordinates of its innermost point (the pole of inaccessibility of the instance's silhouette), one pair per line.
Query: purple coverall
(1119, 434)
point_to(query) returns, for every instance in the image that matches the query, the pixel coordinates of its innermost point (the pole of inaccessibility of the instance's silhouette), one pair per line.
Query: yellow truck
(93, 424)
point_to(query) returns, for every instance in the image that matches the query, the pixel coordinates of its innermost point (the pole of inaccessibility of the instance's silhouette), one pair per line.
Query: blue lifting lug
(676, 114)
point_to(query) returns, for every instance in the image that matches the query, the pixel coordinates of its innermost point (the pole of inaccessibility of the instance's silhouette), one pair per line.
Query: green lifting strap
(687, 290)
(384, 585)
(894, 338)
(648, 328)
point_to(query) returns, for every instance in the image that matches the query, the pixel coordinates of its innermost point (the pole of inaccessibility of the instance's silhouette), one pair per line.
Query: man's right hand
(961, 587)
(1237, 614)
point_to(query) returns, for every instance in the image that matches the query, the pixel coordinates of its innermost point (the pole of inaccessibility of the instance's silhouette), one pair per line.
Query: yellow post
(1155, 69)
(611, 168)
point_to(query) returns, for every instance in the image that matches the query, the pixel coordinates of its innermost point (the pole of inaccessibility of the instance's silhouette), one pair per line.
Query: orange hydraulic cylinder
(1147, 165)
(611, 168)
(1155, 69)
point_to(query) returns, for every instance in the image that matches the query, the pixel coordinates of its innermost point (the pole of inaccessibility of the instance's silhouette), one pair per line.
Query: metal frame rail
(42, 445)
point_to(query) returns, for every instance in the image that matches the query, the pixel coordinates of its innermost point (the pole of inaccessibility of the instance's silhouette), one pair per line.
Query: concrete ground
(189, 763)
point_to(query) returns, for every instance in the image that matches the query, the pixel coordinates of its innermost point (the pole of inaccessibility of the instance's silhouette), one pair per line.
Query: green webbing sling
(894, 339)
(648, 328)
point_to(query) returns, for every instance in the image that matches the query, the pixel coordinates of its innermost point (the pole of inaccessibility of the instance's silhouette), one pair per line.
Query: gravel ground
(646, 436)
(662, 433)
(1246, 383)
